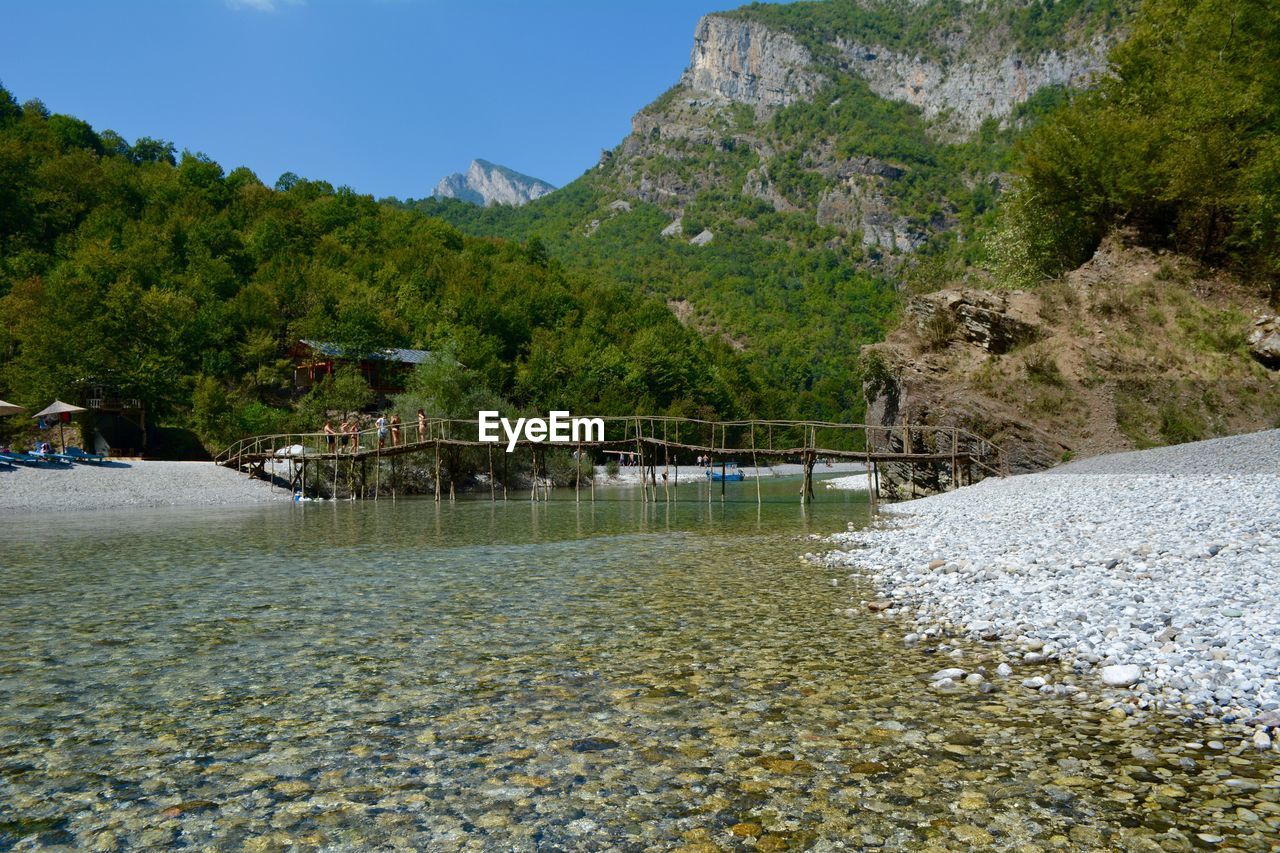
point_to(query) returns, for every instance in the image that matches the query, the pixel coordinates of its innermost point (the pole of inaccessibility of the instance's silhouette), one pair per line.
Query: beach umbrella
(10, 408)
(59, 408)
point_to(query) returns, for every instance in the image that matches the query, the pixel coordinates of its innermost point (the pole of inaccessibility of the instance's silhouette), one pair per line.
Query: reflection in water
(523, 675)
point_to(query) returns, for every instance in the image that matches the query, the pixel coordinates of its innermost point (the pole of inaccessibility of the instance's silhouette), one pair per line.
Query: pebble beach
(1143, 580)
(128, 484)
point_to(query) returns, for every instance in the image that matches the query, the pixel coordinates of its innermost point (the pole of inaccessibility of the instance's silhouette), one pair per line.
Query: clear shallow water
(551, 675)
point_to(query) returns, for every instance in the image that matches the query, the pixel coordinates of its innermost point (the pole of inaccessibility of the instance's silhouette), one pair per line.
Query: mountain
(488, 183)
(884, 122)
(811, 158)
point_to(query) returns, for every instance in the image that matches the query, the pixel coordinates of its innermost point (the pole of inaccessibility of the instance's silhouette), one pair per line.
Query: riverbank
(1150, 576)
(128, 484)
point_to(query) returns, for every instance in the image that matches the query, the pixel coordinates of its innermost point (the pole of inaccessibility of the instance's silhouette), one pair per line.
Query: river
(555, 675)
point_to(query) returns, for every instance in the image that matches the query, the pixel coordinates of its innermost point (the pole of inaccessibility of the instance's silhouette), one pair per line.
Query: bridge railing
(762, 439)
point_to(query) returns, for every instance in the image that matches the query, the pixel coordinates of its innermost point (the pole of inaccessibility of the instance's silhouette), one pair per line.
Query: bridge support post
(755, 463)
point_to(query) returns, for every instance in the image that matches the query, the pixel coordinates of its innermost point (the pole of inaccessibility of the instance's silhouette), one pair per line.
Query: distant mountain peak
(486, 183)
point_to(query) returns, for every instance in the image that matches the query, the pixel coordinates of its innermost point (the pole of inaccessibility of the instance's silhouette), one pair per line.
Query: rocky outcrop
(1064, 370)
(1264, 341)
(747, 62)
(488, 183)
(860, 205)
(758, 185)
(997, 321)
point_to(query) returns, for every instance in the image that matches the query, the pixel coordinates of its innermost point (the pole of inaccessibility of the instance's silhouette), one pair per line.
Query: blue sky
(385, 96)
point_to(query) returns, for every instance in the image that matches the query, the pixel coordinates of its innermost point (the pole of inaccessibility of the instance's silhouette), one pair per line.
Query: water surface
(559, 675)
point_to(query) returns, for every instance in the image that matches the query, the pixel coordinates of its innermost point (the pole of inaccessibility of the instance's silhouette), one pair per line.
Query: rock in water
(951, 673)
(1121, 675)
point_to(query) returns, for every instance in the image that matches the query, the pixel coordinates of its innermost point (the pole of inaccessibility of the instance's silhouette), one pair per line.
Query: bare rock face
(1264, 340)
(745, 61)
(861, 205)
(749, 63)
(977, 83)
(704, 237)
(488, 183)
(994, 320)
(759, 185)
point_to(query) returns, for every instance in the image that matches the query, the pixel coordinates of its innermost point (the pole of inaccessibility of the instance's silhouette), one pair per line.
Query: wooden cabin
(385, 370)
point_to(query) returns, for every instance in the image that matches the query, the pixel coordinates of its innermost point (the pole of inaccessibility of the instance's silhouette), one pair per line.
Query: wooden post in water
(644, 488)
(437, 474)
(492, 497)
(577, 476)
(755, 463)
(377, 473)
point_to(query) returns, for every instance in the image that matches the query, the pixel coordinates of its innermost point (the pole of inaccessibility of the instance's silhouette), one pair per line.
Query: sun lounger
(33, 458)
(75, 454)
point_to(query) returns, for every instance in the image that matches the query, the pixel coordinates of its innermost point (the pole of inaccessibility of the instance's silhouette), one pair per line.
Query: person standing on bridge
(422, 425)
(354, 429)
(381, 424)
(395, 429)
(330, 437)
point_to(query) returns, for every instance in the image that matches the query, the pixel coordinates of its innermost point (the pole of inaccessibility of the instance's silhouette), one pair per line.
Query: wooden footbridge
(900, 460)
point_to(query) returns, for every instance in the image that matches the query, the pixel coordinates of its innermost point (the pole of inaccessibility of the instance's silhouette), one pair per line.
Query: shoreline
(150, 484)
(695, 474)
(1144, 578)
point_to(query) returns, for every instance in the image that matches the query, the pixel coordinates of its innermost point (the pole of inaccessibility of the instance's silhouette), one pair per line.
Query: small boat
(727, 471)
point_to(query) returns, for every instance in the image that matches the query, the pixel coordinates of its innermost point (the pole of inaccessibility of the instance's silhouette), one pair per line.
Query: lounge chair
(75, 454)
(33, 458)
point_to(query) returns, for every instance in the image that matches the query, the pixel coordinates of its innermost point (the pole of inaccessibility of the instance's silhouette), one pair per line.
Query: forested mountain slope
(166, 279)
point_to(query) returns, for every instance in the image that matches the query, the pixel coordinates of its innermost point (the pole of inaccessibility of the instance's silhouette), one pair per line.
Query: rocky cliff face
(971, 80)
(747, 62)
(974, 82)
(715, 131)
(487, 183)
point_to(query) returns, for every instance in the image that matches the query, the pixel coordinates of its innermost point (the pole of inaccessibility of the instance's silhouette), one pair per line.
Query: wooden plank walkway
(654, 441)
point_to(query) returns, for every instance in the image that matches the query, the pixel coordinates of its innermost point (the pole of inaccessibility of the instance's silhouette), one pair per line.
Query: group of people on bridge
(347, 433)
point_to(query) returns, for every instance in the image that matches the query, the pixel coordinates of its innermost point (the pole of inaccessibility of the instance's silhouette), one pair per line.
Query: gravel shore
(120, 485)
(1149, 576)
